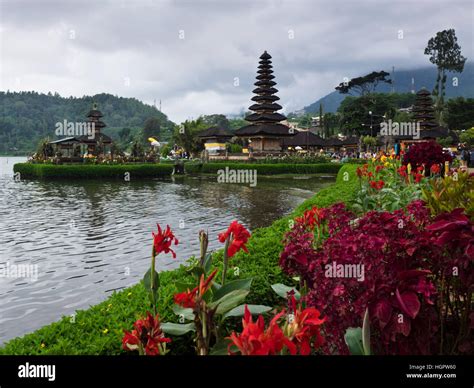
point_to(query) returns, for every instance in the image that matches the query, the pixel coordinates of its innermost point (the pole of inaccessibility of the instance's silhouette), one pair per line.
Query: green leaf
(229, 301)
(283, 290)
(147, 281)
(187, 313)
(177, 328)
(241, 284)
(366, 333)
(182, 287)
(207, 263)
(353, 339)
(220, 348)
(254, 309)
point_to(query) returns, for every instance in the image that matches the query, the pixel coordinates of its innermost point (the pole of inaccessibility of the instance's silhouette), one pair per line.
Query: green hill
(27, 117)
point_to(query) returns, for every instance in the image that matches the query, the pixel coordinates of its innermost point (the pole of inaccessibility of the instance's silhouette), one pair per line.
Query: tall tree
(186, 135)
(363, 85)
(151, 128)
(216, 120)
(445, 53)
(460, 113)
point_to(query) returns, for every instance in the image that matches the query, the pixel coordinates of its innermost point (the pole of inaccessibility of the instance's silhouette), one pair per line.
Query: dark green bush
(99, 330)
(265, 169)
(51, 171)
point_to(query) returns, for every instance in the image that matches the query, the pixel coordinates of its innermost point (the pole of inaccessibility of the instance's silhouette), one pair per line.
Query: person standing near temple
(464, 156)
(397, 148)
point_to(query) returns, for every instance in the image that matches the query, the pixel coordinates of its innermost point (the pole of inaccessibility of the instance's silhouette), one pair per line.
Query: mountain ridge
(423, 77)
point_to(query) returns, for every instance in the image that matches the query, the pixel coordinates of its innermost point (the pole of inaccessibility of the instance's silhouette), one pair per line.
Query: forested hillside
(27, 117)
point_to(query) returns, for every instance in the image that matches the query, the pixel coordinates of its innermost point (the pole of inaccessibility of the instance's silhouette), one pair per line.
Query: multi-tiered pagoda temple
(265, 132)
(424, 114)
(423, 111)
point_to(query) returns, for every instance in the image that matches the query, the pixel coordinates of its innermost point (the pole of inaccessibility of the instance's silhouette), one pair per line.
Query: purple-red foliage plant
(399, 258)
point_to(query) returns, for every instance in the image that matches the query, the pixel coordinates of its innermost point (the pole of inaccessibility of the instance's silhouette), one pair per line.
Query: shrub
(453, 191)
(411, 271)
(49, 171)
(265, 169)
(426, 153)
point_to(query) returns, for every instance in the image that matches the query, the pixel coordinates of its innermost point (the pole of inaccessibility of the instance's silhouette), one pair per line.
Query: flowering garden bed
(379, 263)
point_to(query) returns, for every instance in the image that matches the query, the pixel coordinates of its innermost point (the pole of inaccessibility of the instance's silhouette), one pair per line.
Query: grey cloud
(139, 41)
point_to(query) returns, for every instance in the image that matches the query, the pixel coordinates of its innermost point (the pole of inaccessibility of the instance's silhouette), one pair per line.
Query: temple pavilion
(265, 132)
(215, 140)
(94, 143)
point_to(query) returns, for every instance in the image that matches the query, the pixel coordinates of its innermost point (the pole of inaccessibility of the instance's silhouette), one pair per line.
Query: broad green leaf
(366, 333)
(283, 290)
(229, 301)
(241, 284)
(177, 328)
(353, 339)
(182, 287)
(187, 313)
(220, 348)
(207, 263)
(254, 309)
(147, 281)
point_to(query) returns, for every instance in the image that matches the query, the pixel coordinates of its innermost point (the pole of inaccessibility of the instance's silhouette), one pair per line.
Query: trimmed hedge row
(91, 171)
(265, 169)
(99, 329)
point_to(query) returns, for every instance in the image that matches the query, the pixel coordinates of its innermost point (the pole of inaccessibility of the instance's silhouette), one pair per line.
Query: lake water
(89, 238)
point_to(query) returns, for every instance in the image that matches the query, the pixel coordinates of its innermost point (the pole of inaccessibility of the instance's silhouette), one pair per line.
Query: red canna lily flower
(162, 241)
(255, 340)
(303, 330)
(402, 171)
(189, 299)
(418, 177)
(377, 185)
(186, 299)
(312, 217)
(435, 169)
(204, 285)
(378, 168)
(239, 236)
(146, 337)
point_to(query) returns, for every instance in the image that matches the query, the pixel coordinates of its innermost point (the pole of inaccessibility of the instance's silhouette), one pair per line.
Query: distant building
(214, 139)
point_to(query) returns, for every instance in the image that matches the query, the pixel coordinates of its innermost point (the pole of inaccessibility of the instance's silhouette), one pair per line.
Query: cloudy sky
(200, 57)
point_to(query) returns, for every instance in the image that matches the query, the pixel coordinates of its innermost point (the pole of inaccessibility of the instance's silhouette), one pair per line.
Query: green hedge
(99, 329)
(265, 169)
(91, 171)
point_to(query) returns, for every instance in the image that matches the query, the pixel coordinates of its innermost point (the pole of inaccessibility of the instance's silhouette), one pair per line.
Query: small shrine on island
(265, 133)
(88, 139)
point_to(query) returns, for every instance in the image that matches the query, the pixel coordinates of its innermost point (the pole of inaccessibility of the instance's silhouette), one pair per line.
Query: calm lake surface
(89, 238)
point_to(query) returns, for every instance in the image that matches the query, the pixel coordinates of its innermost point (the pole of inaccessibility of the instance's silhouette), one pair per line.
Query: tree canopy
(364, 85)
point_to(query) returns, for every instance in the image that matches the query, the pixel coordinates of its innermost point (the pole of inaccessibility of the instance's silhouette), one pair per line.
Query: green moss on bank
(99, 329)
